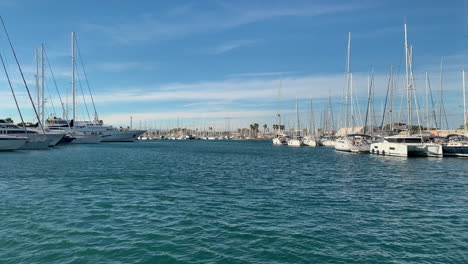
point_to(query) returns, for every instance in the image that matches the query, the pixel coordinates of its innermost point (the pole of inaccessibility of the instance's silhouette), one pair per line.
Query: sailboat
(92, 131)
(35, 140)
(79, 132)
(457, 145)
(296, 140)
(350, 141)
(310, 140)
(280, 138)
(327, 139)
(53, 136)
(407, 145)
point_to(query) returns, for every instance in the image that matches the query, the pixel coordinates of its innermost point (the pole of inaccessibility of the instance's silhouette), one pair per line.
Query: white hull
(343, 145)
(407, 149)
(328, 143)
(81, 139)
(122, 135)
(11, 143)
(295, 143)
(310, 142)
(54, 138)
(36, 142)
(279, 141)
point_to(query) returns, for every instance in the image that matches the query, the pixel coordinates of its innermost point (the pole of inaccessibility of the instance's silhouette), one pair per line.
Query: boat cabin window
(404, 140)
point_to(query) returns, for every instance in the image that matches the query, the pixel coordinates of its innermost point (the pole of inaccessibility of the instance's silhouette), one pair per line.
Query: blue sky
(201, 61)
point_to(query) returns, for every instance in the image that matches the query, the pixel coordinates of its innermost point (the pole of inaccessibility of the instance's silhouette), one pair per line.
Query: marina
(233, 132)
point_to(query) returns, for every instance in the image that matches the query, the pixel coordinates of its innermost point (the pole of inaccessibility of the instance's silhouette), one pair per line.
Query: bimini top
(456, 137)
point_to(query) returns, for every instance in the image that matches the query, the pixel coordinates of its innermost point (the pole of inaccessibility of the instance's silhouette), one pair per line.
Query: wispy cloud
(152, 27)
(232, 45)
(258, 74)
(122, 66)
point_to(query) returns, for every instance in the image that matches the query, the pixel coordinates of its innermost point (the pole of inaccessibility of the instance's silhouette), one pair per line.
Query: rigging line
(82, 94)
(55, 84)
(386, 98)
(434, 115)
(14, 96)
(50, 98)
(22, 75)
(86, 78)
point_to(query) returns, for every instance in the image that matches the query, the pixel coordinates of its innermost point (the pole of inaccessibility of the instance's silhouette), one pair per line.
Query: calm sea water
(229, 202)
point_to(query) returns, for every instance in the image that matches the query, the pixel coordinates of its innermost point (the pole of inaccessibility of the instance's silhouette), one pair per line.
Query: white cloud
(151, 27)
(232, 45)
(122, 66)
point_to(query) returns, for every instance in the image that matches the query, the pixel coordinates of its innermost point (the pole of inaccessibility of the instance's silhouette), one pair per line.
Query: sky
(201, 63)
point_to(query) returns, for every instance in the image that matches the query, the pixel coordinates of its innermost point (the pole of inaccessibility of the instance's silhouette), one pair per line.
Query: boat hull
(295, 143)
(279, 141)
(310, 142)
(407, 150)
(455, 149)
(87, 139)
(122, 135)
(11, 143)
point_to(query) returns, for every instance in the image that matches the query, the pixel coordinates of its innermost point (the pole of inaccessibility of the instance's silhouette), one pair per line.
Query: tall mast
(279, 106)
(297, 118)
(392, 86)
(312, 118)
(38, 89)
(441, 92)
(42, 86)
(73, 77)
(348, 82)
(465, 120)
(427, 101)
(407, 82)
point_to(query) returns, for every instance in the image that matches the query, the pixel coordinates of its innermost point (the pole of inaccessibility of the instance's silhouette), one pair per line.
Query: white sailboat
(350, 142)
(311, 140)
(296, 140)
(280, 138)
(407, 145)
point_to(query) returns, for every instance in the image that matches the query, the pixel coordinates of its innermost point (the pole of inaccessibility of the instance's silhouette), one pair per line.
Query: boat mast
(465, 121)
(73, 76)
(427, 102)
(42, 87)
(441, 92)
(297, 119)
(407, 83)
(38, 89)
(348, 81)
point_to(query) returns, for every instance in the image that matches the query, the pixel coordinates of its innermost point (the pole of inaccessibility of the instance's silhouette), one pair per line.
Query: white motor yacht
(35, 140)
(9, 143)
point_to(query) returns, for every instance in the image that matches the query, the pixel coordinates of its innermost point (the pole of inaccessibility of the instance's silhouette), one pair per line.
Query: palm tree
(281, 127)
(264, 128)
(256, 129)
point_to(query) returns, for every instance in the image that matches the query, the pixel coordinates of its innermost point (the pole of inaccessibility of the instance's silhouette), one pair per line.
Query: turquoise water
(229, 202)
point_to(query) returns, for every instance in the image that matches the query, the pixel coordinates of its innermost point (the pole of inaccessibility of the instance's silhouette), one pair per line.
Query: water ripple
(229, 202)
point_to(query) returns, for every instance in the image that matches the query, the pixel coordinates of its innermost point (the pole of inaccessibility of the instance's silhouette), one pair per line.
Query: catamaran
(407, 145)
